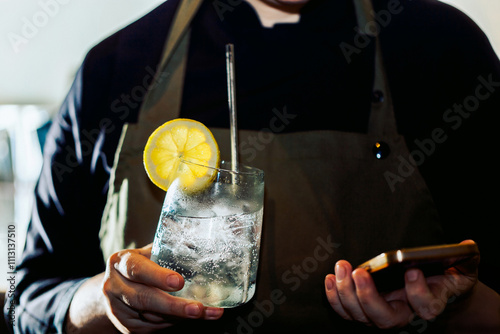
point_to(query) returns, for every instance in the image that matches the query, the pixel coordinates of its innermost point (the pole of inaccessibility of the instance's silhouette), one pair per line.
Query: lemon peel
(182, 149)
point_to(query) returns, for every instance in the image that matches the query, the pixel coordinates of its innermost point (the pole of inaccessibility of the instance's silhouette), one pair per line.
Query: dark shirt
(443, 75)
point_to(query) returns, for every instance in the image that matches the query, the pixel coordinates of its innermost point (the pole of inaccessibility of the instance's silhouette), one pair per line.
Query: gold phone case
(387, 269)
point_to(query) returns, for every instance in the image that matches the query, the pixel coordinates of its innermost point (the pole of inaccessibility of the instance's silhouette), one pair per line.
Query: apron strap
(185, 13)
(166, 90)
(382, 119)
(122, 221)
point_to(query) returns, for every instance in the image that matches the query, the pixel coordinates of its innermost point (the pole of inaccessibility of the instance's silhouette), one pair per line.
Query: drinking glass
(211, 235)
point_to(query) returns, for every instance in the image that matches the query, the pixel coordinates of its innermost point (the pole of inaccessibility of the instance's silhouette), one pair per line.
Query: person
(361, 155)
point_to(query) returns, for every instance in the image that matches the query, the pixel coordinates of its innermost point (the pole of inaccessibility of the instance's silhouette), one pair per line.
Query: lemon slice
(181, 149)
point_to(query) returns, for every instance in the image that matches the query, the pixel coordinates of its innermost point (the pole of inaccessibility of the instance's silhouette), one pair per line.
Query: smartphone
(387, 269)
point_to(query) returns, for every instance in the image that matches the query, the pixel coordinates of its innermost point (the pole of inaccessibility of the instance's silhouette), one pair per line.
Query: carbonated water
(217, 255)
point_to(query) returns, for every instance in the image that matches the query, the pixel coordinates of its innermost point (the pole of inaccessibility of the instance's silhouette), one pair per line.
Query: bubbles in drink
(216, 254)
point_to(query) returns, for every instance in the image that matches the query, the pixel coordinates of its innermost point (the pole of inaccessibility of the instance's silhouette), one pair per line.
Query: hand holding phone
(388, 269)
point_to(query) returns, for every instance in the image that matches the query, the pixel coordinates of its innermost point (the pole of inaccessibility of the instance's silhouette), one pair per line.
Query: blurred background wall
(42, 44)
(486, 13)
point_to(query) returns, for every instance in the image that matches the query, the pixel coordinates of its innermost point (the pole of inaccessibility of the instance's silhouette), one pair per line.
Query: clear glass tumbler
(211, 235)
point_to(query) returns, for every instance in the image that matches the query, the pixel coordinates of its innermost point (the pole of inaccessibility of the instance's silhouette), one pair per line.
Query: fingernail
(213, 313)
(340, 272)
(359, 280)
(412, 275)
(329, 284)
(193, 310)
(173, 281)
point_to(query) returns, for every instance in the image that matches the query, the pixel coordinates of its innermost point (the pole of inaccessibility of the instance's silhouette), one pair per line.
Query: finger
(125, 318)
(422, 300)
(380, 312)
(128, 320)
(146, 250)
(347, 292)
(213, 313)
(134, 266)
(132, 316)
(151, 317)
(333, 297)
(470, 267)
(149, 299)
(140, 297)
(209, 313)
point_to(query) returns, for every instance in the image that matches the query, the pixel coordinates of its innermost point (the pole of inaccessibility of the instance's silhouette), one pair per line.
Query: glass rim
(249, 170)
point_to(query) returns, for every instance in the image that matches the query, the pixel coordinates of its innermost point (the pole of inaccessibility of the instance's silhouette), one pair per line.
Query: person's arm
(62, 244)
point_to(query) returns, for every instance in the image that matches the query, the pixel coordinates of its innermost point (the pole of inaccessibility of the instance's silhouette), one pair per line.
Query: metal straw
(232, 105)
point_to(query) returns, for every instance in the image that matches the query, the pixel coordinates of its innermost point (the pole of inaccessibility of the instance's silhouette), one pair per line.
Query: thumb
(468, 266)
(146, 250)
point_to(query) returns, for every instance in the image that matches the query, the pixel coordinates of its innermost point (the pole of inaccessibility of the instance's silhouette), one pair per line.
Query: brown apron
(328, 197)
